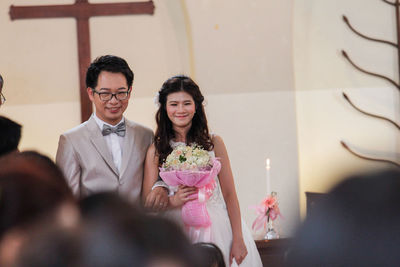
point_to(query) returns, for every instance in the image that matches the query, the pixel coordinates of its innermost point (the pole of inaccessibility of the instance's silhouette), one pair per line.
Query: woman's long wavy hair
(198, 132)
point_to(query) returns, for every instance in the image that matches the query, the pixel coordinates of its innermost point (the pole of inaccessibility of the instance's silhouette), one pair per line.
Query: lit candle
(267, 168)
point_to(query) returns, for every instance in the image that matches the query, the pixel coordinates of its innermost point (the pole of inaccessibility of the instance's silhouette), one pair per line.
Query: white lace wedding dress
(221, 231)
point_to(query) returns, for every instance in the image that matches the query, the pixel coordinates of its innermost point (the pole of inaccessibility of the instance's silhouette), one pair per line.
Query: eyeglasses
(2, 99)
(108, 96)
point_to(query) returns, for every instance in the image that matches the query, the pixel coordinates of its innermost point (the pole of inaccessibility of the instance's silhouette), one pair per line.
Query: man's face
(110, 111)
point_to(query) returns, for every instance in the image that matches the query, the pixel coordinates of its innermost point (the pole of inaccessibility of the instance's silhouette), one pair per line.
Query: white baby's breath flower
(187, 158)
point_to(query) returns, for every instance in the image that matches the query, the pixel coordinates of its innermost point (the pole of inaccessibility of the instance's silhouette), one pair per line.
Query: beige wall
(243, 61)
(240, 53)
(321, 74)
(40, 65)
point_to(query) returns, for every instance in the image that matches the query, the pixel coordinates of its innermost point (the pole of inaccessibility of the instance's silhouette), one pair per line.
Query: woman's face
(180, 109)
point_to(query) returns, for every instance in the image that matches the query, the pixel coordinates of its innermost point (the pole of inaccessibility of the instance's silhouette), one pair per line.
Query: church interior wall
(324, 118)
(271, 73)
(240, 54)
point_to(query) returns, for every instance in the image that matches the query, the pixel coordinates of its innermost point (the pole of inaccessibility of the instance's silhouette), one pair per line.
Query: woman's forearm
(232, 205)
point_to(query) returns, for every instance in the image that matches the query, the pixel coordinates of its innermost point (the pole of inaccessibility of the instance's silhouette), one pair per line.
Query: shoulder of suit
(76, 130)
(138, 127)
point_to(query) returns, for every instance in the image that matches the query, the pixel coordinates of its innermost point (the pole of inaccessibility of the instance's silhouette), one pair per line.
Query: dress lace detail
(217, 197)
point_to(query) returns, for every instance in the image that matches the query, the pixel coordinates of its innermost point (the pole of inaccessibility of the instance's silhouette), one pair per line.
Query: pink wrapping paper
(194, 212)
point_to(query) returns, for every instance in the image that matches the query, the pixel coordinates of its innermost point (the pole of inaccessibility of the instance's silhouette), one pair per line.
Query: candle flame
(267, 163)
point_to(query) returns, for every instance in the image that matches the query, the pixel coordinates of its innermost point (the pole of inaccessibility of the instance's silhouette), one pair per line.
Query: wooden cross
(82, 11)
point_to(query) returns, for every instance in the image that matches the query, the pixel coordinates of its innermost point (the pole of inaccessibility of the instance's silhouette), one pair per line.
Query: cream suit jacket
(87, 164)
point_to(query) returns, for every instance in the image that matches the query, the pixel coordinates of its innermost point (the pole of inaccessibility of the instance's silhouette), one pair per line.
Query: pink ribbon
(194, 212)
(268, 209)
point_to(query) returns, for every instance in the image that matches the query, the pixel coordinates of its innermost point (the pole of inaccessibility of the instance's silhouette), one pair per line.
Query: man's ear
(90, 93)
(130, 92)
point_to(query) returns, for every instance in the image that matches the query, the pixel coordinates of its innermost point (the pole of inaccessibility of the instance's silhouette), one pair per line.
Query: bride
(181, 119)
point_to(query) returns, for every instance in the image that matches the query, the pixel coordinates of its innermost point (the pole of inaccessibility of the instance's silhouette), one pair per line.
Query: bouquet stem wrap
(194, 212)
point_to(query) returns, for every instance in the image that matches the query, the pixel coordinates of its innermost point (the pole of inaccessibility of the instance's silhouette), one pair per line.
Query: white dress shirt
(114, 142)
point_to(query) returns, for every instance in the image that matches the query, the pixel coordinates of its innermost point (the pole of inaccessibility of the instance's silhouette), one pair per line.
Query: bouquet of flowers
(267, 210)
(192, 166)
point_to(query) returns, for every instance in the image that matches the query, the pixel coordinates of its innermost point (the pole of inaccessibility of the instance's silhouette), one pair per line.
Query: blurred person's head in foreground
(161, 242)
(31, 191)
(210, 254)
(356, 225)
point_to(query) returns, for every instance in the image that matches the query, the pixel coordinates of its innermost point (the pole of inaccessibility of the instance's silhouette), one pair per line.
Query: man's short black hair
(108, 63)
(10, 135)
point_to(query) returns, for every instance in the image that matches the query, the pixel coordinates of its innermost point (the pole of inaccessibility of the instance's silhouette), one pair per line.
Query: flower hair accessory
(156, 99)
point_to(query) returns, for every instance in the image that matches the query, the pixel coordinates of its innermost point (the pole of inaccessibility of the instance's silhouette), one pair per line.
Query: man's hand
(157, 199)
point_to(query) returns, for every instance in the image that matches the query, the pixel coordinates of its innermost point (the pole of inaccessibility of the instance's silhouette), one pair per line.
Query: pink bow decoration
(268, 209)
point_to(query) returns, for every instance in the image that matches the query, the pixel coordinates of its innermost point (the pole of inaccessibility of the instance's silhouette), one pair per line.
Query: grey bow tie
(119, 129)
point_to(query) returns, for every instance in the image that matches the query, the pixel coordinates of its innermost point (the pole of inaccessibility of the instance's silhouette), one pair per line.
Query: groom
(107, 152)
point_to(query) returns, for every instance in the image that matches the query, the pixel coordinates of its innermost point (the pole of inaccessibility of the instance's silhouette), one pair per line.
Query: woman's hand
(183, 195)
(238, 251)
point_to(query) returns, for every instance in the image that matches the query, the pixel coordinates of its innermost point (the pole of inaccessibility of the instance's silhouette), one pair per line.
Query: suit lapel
(129, 141)
(100, 144)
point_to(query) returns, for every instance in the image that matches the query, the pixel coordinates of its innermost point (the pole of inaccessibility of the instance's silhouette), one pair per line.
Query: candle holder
(271, 232)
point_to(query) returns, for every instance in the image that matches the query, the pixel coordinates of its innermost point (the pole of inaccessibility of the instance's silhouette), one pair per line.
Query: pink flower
(267, 210)
(269, 202)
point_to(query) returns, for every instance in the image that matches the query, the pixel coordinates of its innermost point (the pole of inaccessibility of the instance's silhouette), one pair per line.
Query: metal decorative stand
(396, 45)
